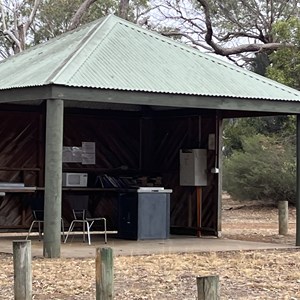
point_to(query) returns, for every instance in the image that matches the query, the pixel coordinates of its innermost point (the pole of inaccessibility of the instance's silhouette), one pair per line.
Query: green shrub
(265, 168)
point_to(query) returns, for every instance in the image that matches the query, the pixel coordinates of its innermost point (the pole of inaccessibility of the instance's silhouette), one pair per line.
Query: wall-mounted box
(193, 167)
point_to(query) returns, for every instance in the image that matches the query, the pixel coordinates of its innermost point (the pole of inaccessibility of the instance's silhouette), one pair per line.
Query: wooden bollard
(208, 288)
(283, 216)
(104, 274)
(22, 270)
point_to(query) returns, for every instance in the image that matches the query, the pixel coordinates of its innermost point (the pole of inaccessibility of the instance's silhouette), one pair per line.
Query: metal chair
(38, 217)
(81, 215)
(37, 207)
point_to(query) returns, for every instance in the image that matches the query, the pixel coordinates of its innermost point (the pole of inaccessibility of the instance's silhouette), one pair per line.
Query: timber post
(283, 216)
(219, 147)
(208, 288)
(104, 274)
(53, 178)
(298, 184)
(22, 270)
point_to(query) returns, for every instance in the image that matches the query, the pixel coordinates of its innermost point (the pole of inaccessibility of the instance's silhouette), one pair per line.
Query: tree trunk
(123, 9)
(75, 21)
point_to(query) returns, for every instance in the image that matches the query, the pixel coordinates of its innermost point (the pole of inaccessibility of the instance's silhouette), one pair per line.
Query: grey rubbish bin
(145, 214)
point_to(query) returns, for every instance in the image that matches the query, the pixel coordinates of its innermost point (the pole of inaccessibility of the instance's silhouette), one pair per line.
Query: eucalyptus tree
(24, 23)
(227, 27)
(16, 19)
(58, 16)
(285, 63)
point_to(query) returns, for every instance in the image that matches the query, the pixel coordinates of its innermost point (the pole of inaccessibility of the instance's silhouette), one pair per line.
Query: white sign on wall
(86, 154)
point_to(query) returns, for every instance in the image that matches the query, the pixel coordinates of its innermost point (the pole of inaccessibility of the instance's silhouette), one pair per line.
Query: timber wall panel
(210, 192)
(171, 135)
(117, 142)
(147, 147)
(19, 152)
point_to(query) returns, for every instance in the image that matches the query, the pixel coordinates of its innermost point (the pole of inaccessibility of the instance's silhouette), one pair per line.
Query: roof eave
(175, 100)
(51, 91)
(35, 93)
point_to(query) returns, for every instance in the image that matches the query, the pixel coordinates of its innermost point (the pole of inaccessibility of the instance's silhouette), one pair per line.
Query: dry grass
(255, 221)
(243, 275)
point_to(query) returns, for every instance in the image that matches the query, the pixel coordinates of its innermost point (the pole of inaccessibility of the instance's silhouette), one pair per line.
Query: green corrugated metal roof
(114, 54)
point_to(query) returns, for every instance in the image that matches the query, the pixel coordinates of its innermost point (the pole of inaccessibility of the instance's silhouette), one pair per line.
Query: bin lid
(153, 189)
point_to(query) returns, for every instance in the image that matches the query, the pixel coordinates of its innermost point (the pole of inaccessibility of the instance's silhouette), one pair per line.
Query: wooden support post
(219, 149)
(283, 216)
(22, 270)
(298, 184)
(104, 274)
(199, 213)
(53, 178)
(190, 210)
(208, 288)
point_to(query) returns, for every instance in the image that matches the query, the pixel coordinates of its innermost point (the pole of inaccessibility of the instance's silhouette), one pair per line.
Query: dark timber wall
(147, 144)
(21, 160)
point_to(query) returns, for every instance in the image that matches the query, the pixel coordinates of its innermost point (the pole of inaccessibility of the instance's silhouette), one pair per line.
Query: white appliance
(193, 167)
(74, 179)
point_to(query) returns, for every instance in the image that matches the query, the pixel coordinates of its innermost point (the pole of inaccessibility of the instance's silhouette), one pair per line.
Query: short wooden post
(208, 288)
(22, 270)
(104, 274)
(283, 216)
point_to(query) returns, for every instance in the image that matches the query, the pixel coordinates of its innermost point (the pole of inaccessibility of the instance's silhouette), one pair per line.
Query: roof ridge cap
(56, 73)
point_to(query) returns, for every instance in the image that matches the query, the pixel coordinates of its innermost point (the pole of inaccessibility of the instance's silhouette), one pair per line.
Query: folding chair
(81, 215)
(37, 208)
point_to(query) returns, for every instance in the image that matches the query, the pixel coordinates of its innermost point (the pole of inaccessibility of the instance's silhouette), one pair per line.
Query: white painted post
(22, 270)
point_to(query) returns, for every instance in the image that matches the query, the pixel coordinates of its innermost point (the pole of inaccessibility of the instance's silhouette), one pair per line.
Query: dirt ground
(255, 221)
(272, 274)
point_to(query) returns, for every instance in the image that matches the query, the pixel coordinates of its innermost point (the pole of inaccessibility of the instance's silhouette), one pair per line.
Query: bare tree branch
(145, 12)
(255, 12)
(32, 15)
(8, 33)
(187, 36)
(15, 29)
(229, 16)
(3, 16)
(253, 48)
(18, 32)
(233, 50)
(283, 7)
(230, 35)
(209, 32)
(13, 38)
(75, 21)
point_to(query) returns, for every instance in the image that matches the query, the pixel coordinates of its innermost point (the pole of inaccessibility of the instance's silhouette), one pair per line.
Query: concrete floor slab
(176, 244)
